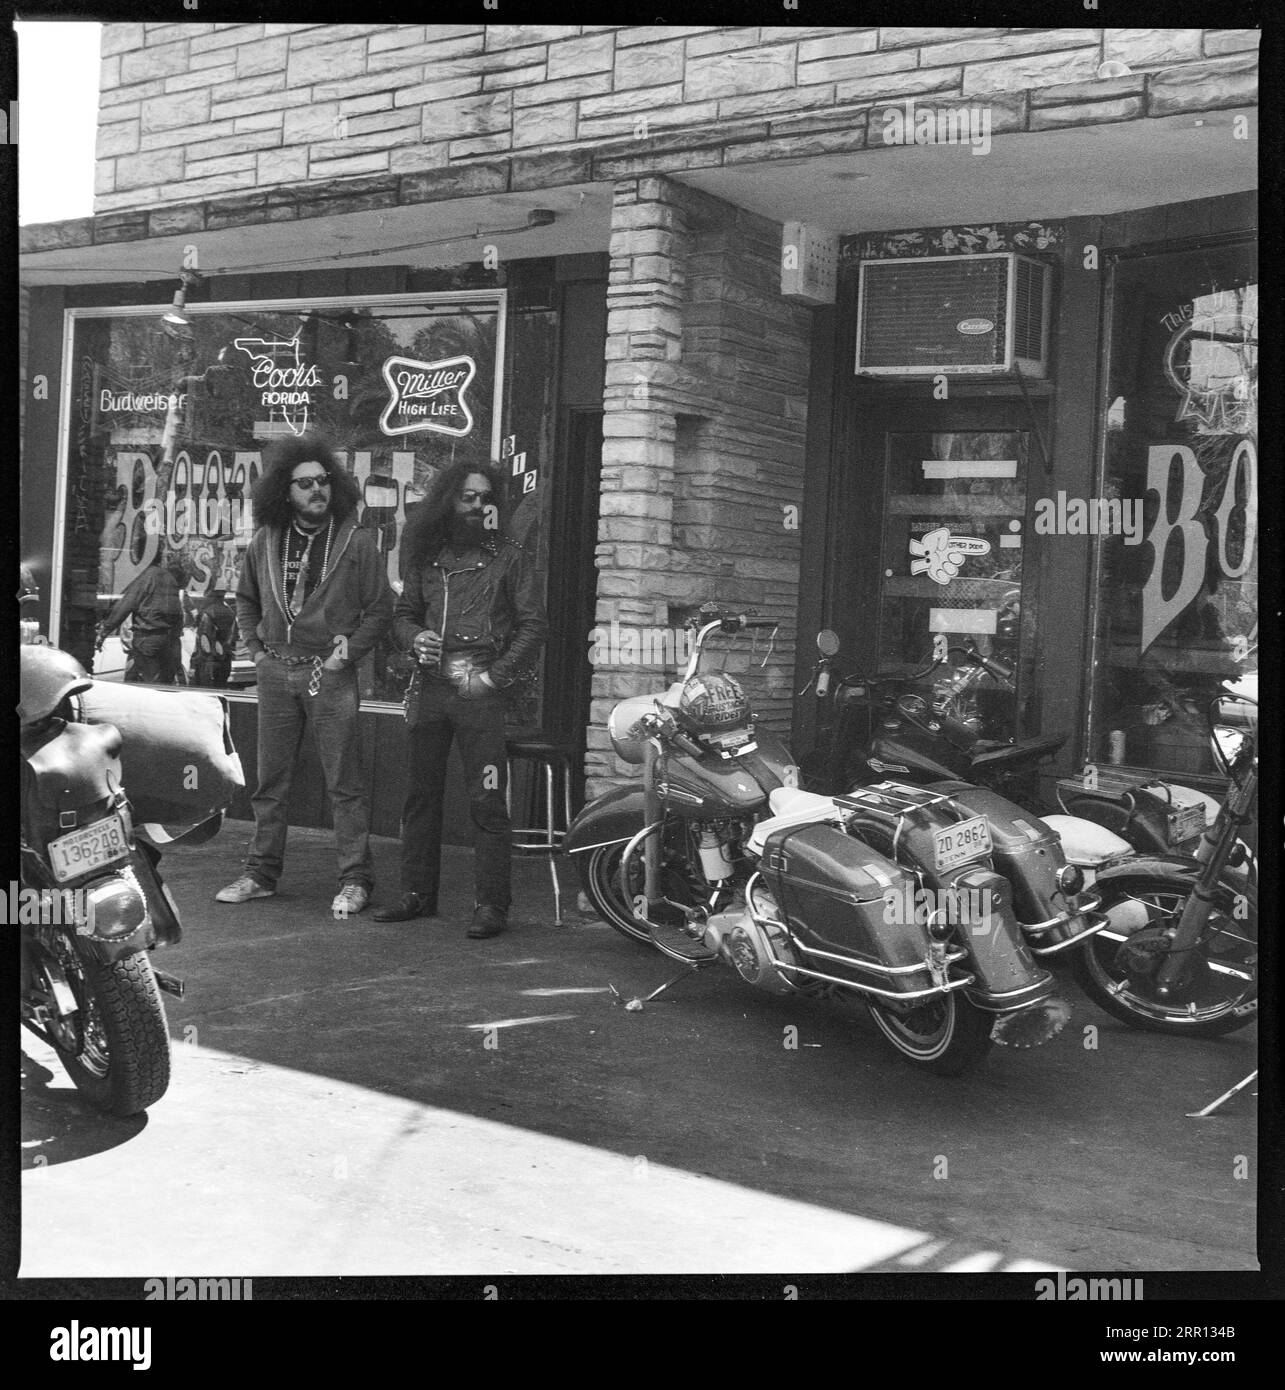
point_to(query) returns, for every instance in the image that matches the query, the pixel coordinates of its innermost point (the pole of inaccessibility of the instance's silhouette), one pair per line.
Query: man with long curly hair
(472, 613)
(313, 599)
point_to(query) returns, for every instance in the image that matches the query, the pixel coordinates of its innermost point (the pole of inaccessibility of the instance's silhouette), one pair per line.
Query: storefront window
(1178, 590)
(167, 423)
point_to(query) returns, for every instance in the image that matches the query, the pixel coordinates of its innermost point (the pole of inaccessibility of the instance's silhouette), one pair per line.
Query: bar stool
(543, 834)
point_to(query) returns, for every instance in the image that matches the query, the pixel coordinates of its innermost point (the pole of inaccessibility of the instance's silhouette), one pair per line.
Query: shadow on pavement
(58, 1126)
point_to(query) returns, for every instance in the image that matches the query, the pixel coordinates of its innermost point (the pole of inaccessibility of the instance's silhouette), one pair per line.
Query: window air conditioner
(953, 315)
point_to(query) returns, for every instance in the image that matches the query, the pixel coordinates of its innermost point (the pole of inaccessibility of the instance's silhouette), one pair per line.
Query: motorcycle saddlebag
(71, 777)
(177, 756)
(1029, 854)
(844, 903)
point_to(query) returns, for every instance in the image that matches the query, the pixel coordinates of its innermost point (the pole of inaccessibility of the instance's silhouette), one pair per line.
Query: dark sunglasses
(321, 480)
(468, 498)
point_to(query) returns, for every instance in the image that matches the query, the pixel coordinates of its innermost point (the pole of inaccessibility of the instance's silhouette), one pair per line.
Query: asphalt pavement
(353, 1098)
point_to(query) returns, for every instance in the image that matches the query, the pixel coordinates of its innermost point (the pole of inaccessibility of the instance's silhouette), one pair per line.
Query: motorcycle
(930, 906)
(95, 903)
(882, 725)
(710, 792)
(1180, 952)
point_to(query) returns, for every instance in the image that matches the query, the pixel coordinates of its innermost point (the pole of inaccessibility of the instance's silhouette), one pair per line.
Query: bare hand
(428, 646)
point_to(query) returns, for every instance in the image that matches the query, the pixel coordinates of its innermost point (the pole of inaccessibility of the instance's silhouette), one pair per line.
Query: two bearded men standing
(314, 599)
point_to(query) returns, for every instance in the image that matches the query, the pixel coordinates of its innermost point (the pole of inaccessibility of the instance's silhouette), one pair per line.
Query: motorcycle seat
(790, 806)
(1019, 751)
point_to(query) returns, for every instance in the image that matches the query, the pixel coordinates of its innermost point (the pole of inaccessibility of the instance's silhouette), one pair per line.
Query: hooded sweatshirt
(352, 598)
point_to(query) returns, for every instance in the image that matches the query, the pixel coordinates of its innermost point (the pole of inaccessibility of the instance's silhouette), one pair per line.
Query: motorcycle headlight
(114, 909)
(1070, 878)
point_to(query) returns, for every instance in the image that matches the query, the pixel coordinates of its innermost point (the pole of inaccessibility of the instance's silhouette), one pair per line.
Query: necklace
(295, 599)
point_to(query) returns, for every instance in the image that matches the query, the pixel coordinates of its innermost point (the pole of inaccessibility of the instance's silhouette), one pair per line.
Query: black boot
(488, 921)
(407, 906)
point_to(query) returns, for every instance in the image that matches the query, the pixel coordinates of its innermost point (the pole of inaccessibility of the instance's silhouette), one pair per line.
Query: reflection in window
(168, 430)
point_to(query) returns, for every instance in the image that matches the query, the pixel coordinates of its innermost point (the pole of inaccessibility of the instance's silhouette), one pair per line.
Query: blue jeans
(478, 725)
(286, 710)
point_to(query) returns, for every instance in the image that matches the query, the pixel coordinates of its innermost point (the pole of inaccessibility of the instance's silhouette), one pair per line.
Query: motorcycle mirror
(828, 642)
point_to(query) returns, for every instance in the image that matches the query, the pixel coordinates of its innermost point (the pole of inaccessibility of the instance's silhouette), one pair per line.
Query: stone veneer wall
(704, 436)
(193, 111)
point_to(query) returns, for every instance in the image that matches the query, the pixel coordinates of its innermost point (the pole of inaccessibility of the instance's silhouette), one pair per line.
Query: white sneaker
(243, 890)
(351, 899)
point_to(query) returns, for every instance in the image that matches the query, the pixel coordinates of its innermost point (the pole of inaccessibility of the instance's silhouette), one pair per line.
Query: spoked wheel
(116, 1045)
(1219, 991)
(947, 1036)
(600, 875)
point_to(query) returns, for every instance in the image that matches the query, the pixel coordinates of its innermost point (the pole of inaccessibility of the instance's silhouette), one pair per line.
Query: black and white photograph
(638, 662)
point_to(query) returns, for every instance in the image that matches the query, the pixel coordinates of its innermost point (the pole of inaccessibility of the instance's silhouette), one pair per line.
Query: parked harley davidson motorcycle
(894, 726)
(89, 862)
(932, 907)
(1179, 953)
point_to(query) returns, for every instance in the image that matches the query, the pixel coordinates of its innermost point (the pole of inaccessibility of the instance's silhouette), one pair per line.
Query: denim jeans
(286, 710)
(478, 724)
(156, 658)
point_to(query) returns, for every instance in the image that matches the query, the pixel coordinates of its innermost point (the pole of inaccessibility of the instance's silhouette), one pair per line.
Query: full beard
(466, 532)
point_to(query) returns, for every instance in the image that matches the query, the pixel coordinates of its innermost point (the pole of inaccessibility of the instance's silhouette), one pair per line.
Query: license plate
(88, 848)
(957, 844)
(1186, 822)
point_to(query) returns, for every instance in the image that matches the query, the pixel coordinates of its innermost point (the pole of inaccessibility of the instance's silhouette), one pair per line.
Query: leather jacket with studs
(485, 601)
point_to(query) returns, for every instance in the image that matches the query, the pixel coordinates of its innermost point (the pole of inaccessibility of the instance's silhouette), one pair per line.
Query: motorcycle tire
(600, 879)
(120, 1062)
(946, 1036)
(1220, 1003)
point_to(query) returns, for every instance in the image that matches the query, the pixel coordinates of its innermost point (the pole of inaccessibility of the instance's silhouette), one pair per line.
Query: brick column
(635, 529)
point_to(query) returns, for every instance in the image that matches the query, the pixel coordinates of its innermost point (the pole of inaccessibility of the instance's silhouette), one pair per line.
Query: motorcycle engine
(750, 942)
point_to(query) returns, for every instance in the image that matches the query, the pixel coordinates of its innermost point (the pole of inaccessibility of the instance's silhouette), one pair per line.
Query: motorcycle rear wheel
(1218, 1003)
(948, 1036)
(116, 1048)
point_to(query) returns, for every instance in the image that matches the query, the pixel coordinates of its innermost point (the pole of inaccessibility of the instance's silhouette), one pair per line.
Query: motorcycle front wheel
(1219, 993)
(116, 1046)
(681, 881)
(947, 1036)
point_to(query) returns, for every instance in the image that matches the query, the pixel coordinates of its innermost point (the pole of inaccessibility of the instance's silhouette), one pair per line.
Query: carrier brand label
(975, 326)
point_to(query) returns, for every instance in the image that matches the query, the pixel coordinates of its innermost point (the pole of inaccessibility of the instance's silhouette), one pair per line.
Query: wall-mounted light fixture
(175, 321)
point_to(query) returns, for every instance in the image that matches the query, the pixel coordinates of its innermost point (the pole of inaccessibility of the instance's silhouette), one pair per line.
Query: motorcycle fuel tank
(708, 788)
(909, 752)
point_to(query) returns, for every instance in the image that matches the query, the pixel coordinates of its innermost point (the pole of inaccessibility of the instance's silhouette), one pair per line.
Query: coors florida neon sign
(428, 395)
(280, 374)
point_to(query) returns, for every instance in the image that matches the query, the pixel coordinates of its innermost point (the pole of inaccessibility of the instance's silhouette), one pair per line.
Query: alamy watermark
(908, 124)
(958, 907)
(625, 645)
(1089, 516)
(30, 907)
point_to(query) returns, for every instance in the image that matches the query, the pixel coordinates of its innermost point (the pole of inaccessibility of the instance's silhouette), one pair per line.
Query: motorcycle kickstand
(1213, 1105)
(633, 1005)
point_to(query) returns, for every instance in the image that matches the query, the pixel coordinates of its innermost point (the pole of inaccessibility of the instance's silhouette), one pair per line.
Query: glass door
(938, 568)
